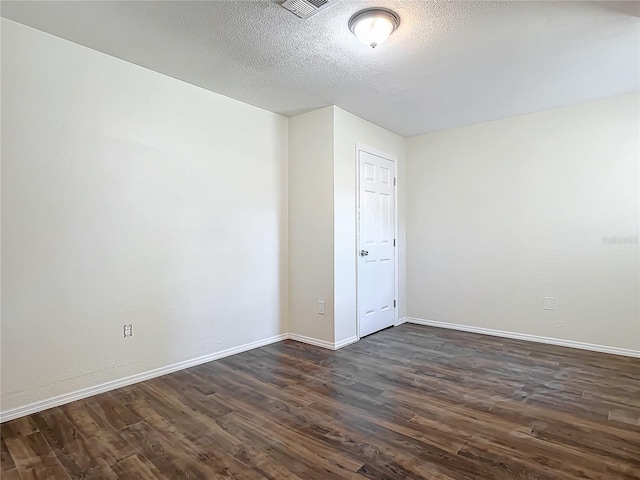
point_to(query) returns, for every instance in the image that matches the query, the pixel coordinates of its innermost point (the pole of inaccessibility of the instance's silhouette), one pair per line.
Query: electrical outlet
(549, 303)
(128, 330)
(320, 307)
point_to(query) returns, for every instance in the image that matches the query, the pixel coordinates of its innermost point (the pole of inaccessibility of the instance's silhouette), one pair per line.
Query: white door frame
(363, 148)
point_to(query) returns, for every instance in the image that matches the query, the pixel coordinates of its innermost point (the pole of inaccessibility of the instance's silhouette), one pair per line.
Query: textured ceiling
(449, 64)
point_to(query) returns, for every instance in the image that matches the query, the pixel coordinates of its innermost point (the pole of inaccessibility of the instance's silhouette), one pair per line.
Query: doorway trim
(378, 153)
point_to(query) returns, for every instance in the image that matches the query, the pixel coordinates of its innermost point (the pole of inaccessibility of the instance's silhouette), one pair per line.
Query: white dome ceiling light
(373, 26)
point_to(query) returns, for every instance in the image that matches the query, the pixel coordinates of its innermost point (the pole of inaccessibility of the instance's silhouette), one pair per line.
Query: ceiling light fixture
(373, 26)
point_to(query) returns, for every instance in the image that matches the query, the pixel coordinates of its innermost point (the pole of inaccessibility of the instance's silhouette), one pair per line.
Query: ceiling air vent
(307, 8)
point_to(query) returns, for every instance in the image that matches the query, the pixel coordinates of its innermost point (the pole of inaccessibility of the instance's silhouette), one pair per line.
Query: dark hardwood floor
(410, 402)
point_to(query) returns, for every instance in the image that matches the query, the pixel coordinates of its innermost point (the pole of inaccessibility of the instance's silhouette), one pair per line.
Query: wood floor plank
(34, 458)
(136, 467)
(10, 475)
(172, 462)
(411, 402)
(57, 429)
(6, 461)
(114, 412)
(20, 427)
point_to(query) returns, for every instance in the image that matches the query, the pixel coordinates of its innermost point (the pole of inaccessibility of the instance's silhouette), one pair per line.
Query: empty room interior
(320, 239)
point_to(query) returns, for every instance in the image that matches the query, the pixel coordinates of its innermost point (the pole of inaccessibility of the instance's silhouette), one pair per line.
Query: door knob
(363, 253)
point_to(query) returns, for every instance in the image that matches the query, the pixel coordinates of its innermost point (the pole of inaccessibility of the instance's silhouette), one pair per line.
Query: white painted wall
(311, 224)
(322, 219)
(130, 197)
(350, 130)
(502, 214)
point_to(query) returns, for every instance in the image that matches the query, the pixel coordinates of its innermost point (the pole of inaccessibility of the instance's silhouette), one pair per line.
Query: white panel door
(376, 243)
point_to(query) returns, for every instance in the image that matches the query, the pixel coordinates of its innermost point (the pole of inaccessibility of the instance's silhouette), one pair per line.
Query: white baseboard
(345, 342)
(158, 372)
(311, 341)
(140, 377)
(323, 343)
(529, 338)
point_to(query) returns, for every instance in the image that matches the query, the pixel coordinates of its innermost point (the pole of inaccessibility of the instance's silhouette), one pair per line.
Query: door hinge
(394, 304)
(394, 242)
(394, 181)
